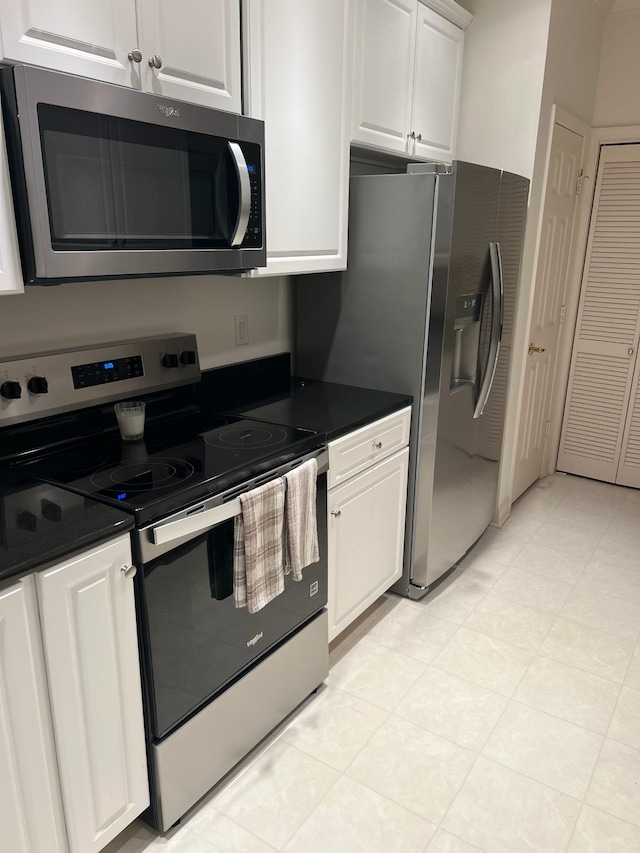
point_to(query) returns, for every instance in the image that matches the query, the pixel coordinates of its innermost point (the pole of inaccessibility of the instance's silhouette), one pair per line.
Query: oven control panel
(35, 386)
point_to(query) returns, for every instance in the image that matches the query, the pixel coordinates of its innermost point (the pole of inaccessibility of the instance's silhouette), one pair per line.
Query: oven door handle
(244, 194)
(197, 523)
(203, 519)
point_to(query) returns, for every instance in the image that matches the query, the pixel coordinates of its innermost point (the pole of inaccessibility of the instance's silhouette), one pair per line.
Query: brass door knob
(535, 349)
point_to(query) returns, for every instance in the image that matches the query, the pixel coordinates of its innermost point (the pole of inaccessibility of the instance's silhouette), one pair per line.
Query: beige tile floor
(499, 714)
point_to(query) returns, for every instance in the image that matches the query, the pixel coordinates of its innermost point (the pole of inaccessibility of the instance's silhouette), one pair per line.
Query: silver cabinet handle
(630, 351)
(377, 445)
(129, 571)
(336, 513)
(244, 185)
(419, 138)
(155, 61)
(135, 55)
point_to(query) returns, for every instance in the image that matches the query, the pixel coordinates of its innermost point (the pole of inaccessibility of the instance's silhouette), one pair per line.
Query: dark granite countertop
(42, 524)
(324, 406)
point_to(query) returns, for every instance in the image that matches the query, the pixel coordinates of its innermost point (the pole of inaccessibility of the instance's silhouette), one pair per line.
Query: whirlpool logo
(169, 111)
(255, 639)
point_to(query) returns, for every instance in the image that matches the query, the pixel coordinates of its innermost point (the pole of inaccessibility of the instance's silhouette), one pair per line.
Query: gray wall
(75, 314)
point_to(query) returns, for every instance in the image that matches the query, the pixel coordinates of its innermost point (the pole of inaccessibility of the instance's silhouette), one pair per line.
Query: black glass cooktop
(179, 461)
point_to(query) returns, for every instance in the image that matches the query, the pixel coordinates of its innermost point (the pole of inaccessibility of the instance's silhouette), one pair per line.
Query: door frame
(594, 142)
(524, 314)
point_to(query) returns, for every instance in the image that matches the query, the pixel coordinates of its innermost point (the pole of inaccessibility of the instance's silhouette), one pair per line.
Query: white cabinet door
(32, 819)
(298, 80)
(436, 92)
(384, 53)
(91, 649)
(11, 280)
(366, 538)
(87, 37)
(197, 45)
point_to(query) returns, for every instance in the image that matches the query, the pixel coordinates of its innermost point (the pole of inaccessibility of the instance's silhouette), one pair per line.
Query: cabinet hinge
(547, 428)
(562, 313)
(581, 179)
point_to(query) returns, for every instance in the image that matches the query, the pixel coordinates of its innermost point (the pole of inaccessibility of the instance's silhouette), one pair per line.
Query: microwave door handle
(196, 523)
(497, 302)
(244, 188)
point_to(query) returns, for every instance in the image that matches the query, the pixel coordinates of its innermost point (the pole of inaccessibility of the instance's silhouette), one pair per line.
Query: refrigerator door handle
(497, 302)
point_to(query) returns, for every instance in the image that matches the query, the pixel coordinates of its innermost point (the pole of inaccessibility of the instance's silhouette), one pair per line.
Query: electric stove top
(180, 460)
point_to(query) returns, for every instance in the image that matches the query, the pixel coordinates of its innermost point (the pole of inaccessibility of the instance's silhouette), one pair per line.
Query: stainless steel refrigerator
(426, 308)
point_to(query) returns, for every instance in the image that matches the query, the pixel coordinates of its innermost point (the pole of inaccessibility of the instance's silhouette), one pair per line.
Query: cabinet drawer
(359, 449)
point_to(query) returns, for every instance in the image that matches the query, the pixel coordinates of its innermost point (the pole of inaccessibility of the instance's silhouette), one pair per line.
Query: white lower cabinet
(91, 651)
(30, 805)
(366, 538)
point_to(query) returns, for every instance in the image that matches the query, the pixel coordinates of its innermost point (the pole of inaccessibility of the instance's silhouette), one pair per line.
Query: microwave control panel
(253, 236)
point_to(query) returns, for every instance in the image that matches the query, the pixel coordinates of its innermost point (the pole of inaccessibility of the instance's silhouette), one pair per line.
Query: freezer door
(462, 490)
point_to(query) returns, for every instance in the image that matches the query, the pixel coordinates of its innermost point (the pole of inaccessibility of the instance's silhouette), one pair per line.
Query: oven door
(195, 642)
(110, 182)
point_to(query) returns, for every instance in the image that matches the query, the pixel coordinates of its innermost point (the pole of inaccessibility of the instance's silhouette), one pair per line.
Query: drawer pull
(377, 445)
(336, 513)
(129, 571)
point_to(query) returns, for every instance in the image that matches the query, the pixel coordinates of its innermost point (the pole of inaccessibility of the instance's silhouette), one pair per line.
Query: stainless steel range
(216, 679)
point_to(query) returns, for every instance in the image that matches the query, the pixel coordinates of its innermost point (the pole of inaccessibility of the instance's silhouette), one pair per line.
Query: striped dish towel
(258, 552)
(301, 522)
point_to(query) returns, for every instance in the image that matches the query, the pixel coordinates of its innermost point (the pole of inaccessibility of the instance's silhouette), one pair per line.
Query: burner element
(246, 435)
(142, 475)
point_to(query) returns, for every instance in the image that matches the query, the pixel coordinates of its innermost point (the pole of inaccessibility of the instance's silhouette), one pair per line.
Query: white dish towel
(301, 521)
(258, 546)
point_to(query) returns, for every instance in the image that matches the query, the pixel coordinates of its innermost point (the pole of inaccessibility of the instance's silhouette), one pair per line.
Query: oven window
(120, 184)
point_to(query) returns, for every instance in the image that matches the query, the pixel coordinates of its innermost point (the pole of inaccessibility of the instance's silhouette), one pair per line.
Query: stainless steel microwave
(109, 182)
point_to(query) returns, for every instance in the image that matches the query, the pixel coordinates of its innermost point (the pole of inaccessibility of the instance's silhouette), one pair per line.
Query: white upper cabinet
(436, 91)
(91, 38)
(32, 820)
(406, 75)
(91, 651)
(194, 50)
(11, 280)
(298, 80)
(384, 58)
(189, 50)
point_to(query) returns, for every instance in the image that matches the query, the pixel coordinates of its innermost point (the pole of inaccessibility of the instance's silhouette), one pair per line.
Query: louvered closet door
(629, 465)
(601, 379)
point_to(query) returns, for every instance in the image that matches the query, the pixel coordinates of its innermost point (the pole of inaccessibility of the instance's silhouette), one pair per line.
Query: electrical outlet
(242, 329)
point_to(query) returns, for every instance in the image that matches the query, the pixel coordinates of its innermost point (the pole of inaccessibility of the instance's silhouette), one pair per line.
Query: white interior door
(550, 287)
(91, 38)
(629, 465)
(605, 348)
(196, 49)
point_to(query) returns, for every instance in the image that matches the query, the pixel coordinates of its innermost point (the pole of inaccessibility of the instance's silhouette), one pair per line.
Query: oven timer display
(102, 372)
